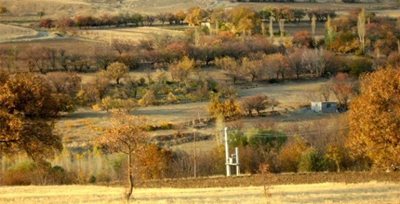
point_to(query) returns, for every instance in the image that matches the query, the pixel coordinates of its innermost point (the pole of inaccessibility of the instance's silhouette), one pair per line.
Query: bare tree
(271, 27)
(361, 28)
(282, 27)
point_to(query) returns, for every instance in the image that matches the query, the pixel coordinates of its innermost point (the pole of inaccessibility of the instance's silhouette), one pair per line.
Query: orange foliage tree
(126, 136)
(375, 119)
(28, 107)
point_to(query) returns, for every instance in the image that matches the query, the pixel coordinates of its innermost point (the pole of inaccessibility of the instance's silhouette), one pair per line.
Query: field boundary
(273, 179)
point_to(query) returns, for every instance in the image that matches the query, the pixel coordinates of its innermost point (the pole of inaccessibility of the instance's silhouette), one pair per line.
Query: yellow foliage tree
(28, 107)
(228, 108)
(180, 71)
(374, 119)
(117, 71)
(195, 16)
(126, 136)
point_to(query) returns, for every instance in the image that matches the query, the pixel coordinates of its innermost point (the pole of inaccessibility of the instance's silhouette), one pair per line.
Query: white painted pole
(228, 169)
(237, 161)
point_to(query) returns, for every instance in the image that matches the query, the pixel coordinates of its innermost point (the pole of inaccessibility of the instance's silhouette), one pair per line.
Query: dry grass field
(73, 7)
(9, 32)
(128, 34)
(362, 193)
(81, 125)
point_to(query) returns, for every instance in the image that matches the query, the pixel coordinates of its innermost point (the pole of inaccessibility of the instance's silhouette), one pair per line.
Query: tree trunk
(337, 166)
(130, 178)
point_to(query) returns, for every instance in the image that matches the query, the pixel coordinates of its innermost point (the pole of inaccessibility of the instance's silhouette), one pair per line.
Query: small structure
(324, 107)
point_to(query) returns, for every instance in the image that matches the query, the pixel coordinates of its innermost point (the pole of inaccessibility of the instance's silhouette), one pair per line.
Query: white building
(324, 107)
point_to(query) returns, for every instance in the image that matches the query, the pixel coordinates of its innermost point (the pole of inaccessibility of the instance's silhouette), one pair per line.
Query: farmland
(9, 32)
(372, 192)
(102, 98)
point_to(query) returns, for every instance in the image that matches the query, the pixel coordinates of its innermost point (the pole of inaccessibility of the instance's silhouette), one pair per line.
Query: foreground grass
(372, 192)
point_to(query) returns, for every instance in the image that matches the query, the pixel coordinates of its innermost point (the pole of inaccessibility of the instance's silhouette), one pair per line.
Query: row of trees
(120, 20)
(195, 16)
(362, 32)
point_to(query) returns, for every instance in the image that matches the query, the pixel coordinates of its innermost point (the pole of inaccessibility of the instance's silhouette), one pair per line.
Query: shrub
(290, 154)
(303, 39)
(92, 179)
(149, 98)
(237, 138)
(109, 103)
(116, 71)
(357, 66)
(311, 161)
(228, 108)
(171, 98)
(257, 103)
(268, 139)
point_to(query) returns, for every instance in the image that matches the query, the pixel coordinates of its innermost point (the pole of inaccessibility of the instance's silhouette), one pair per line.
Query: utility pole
(194, 151)
(195, 144)
(237, 161)
(228, 168)
(232, 160)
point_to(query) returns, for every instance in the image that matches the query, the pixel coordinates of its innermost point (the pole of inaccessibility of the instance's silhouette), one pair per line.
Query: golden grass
(9, 32)
(372, 192)
(128, 34)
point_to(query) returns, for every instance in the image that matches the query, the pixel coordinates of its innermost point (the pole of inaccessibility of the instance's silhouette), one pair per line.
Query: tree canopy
(375, 118)
(28, 106)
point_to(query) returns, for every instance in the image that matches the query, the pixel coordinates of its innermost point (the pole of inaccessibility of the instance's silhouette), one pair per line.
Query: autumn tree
(127, 136)
(277, 65)
(116, 71)
(361, 28)
(181, 70)
(195, 16)
(67, 86)
(226, 108)
(243, 19)
(303, 39)
(27, 111)
(313, 61)
(342, 87)
(231, 66)
(291, 153)
(121, 46)
(257, 103)
(253, 68)
(374, 119)
(295, 60)
(3, 9)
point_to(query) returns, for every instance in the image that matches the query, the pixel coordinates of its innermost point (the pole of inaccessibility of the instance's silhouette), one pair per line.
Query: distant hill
(71, 7)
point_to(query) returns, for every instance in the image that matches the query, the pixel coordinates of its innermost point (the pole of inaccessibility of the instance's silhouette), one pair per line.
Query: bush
(149, 98)
(311, 161)
(20, 174)
(228, 109)
(237, 139)
(303, 39)
(357, 66)
(257, 103)
(268, 139)
(92, 179)
(291, 153)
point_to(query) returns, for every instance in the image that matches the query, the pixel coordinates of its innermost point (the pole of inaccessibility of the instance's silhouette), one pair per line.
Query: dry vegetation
(372, 192)
(78, 127)
(9, 32)
(128, 34)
